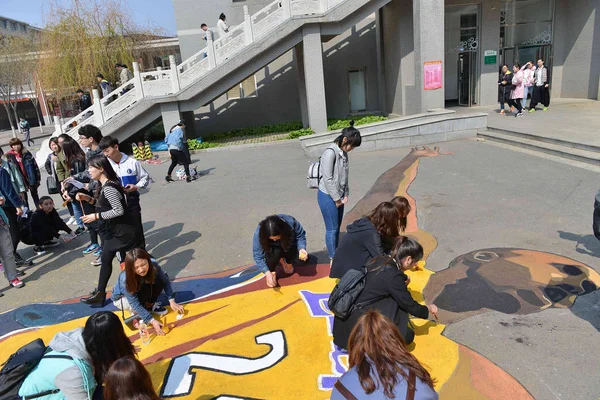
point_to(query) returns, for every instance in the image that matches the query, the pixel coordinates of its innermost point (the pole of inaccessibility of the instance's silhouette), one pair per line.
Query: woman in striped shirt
(115, 225)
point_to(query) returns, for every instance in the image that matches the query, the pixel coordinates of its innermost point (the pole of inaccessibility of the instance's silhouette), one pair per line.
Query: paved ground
(480, 197)
(36, 134)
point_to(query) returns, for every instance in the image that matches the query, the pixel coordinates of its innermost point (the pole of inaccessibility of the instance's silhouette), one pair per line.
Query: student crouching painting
(386, 290)
(139, 286)
(278, 239)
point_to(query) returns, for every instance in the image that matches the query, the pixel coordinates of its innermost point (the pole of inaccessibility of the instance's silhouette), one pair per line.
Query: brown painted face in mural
(512, 281)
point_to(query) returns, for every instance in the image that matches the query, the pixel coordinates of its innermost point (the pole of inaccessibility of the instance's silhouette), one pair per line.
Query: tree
(86, 38)
(12, 74)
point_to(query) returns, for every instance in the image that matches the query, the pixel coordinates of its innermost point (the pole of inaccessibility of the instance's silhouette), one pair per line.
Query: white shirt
(222, 28)
(538, 77)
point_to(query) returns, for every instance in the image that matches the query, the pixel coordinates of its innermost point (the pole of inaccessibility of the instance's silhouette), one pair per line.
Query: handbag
(52, 182)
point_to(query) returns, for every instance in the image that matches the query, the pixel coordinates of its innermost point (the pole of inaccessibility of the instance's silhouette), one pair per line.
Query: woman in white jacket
(222, 27)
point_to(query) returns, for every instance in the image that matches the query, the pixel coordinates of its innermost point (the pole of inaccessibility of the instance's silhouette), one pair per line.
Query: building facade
(408, 57)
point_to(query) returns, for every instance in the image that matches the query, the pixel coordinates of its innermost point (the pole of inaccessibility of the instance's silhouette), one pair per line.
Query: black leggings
(517, 103)
(136, 221)
(276, 253)
(106, 267)
(179, 157)
(34, 196)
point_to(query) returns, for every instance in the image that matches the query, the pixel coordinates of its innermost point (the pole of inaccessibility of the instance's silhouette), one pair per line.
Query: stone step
(545, 139)
(570, 150)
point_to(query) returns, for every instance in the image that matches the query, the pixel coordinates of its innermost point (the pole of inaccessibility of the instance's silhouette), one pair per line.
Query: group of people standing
(528, 80)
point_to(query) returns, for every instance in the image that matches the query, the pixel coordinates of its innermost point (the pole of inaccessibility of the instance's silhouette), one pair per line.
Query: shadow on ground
(585, 244)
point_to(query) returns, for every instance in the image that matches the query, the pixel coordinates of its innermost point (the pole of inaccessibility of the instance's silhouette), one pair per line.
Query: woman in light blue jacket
(381, 367)
(176, 142)
(333, 186)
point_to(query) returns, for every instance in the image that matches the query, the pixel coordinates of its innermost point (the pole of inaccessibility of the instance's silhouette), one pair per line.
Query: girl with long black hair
(386, 290)
(92, 350)
(333, 186)
(76, 166)
(111, 211)
(278, 239)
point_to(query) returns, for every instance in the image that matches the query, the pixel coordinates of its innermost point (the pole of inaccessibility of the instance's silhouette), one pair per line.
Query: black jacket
(504, 89)
(358, 246)
(385, 281)
(48, 225)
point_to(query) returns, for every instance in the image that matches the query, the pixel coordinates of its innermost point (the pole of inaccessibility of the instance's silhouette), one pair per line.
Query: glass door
(467, 73)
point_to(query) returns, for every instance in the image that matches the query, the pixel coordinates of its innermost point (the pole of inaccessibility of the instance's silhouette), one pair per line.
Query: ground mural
(242, 340)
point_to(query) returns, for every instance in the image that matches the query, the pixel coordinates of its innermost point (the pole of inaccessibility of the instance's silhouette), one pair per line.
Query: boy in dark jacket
(45, 226)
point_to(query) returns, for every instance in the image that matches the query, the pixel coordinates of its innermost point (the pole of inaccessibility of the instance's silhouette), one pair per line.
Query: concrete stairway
(579, 152)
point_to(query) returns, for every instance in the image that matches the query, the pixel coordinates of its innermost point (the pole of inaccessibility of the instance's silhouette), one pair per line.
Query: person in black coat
(46, 225)
(504, 87)
(387, 281)
(363, 239)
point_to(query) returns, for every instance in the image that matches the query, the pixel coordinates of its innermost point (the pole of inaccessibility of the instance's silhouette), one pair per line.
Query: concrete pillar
(428, 28)
(170, 115)
(489, 34)
(398, 57)
(97, 108)
(314, 78)
(299, 56)
(58, 125)
(137, 81)
(380, 67)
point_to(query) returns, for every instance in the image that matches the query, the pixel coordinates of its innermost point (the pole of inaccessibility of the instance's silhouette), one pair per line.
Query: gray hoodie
(70, 381)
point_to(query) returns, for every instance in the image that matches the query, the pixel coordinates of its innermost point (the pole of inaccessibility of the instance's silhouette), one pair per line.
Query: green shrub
(341, 123)
(194, 144)
(155, 132)
(300, 132)
(257, 130)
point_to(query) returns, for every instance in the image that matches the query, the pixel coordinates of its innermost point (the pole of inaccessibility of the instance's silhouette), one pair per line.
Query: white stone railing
(178, 77)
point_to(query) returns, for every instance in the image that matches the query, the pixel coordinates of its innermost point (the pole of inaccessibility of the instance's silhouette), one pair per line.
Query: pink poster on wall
(433, 75)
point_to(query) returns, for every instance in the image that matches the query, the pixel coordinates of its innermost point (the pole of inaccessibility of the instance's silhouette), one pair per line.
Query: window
(525, 22)
(13, 26)
(3, 24)
(24, 27)
(246, 88)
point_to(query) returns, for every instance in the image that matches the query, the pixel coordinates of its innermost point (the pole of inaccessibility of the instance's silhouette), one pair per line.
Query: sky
(158, 13)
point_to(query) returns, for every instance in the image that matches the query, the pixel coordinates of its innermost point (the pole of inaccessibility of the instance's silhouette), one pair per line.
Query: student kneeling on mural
(380, 365)
(386, 290)
(139, 286)
(128, 379)
(363, 240)
(78, 360)
(278, 239)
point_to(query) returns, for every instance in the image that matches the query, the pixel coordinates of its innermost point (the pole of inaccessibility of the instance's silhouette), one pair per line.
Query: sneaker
(71, 221)
(79, 231)
(97, 262)
(98, 252)
(20, 273)
(68, 238)
(188, 179)
(50, 243)
(39, 250)
(512, 109)
(158, 309)
(22, 262)
(502, 112)
(17, 283)
(91, 249)
(168, 178)
(532, 110)
(545, 108)
(519, 114)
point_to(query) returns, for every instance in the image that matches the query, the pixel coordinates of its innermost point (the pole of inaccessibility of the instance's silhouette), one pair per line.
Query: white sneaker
(68, 237)
(71, 221)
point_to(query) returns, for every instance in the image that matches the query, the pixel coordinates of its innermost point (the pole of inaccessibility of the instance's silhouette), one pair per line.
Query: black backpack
(342, 301)
(19, 365)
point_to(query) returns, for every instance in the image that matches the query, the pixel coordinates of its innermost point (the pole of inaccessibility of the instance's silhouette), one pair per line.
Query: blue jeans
(77, 213)
(332, 215)
(528, 93)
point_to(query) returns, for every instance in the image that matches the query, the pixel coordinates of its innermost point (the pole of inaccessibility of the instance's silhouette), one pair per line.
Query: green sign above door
(489, 57)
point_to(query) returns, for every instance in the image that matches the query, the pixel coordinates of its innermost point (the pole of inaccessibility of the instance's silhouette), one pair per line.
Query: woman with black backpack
(386, 290)
(333, 186)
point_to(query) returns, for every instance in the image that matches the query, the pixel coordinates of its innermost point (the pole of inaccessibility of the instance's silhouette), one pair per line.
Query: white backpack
(314, 173)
